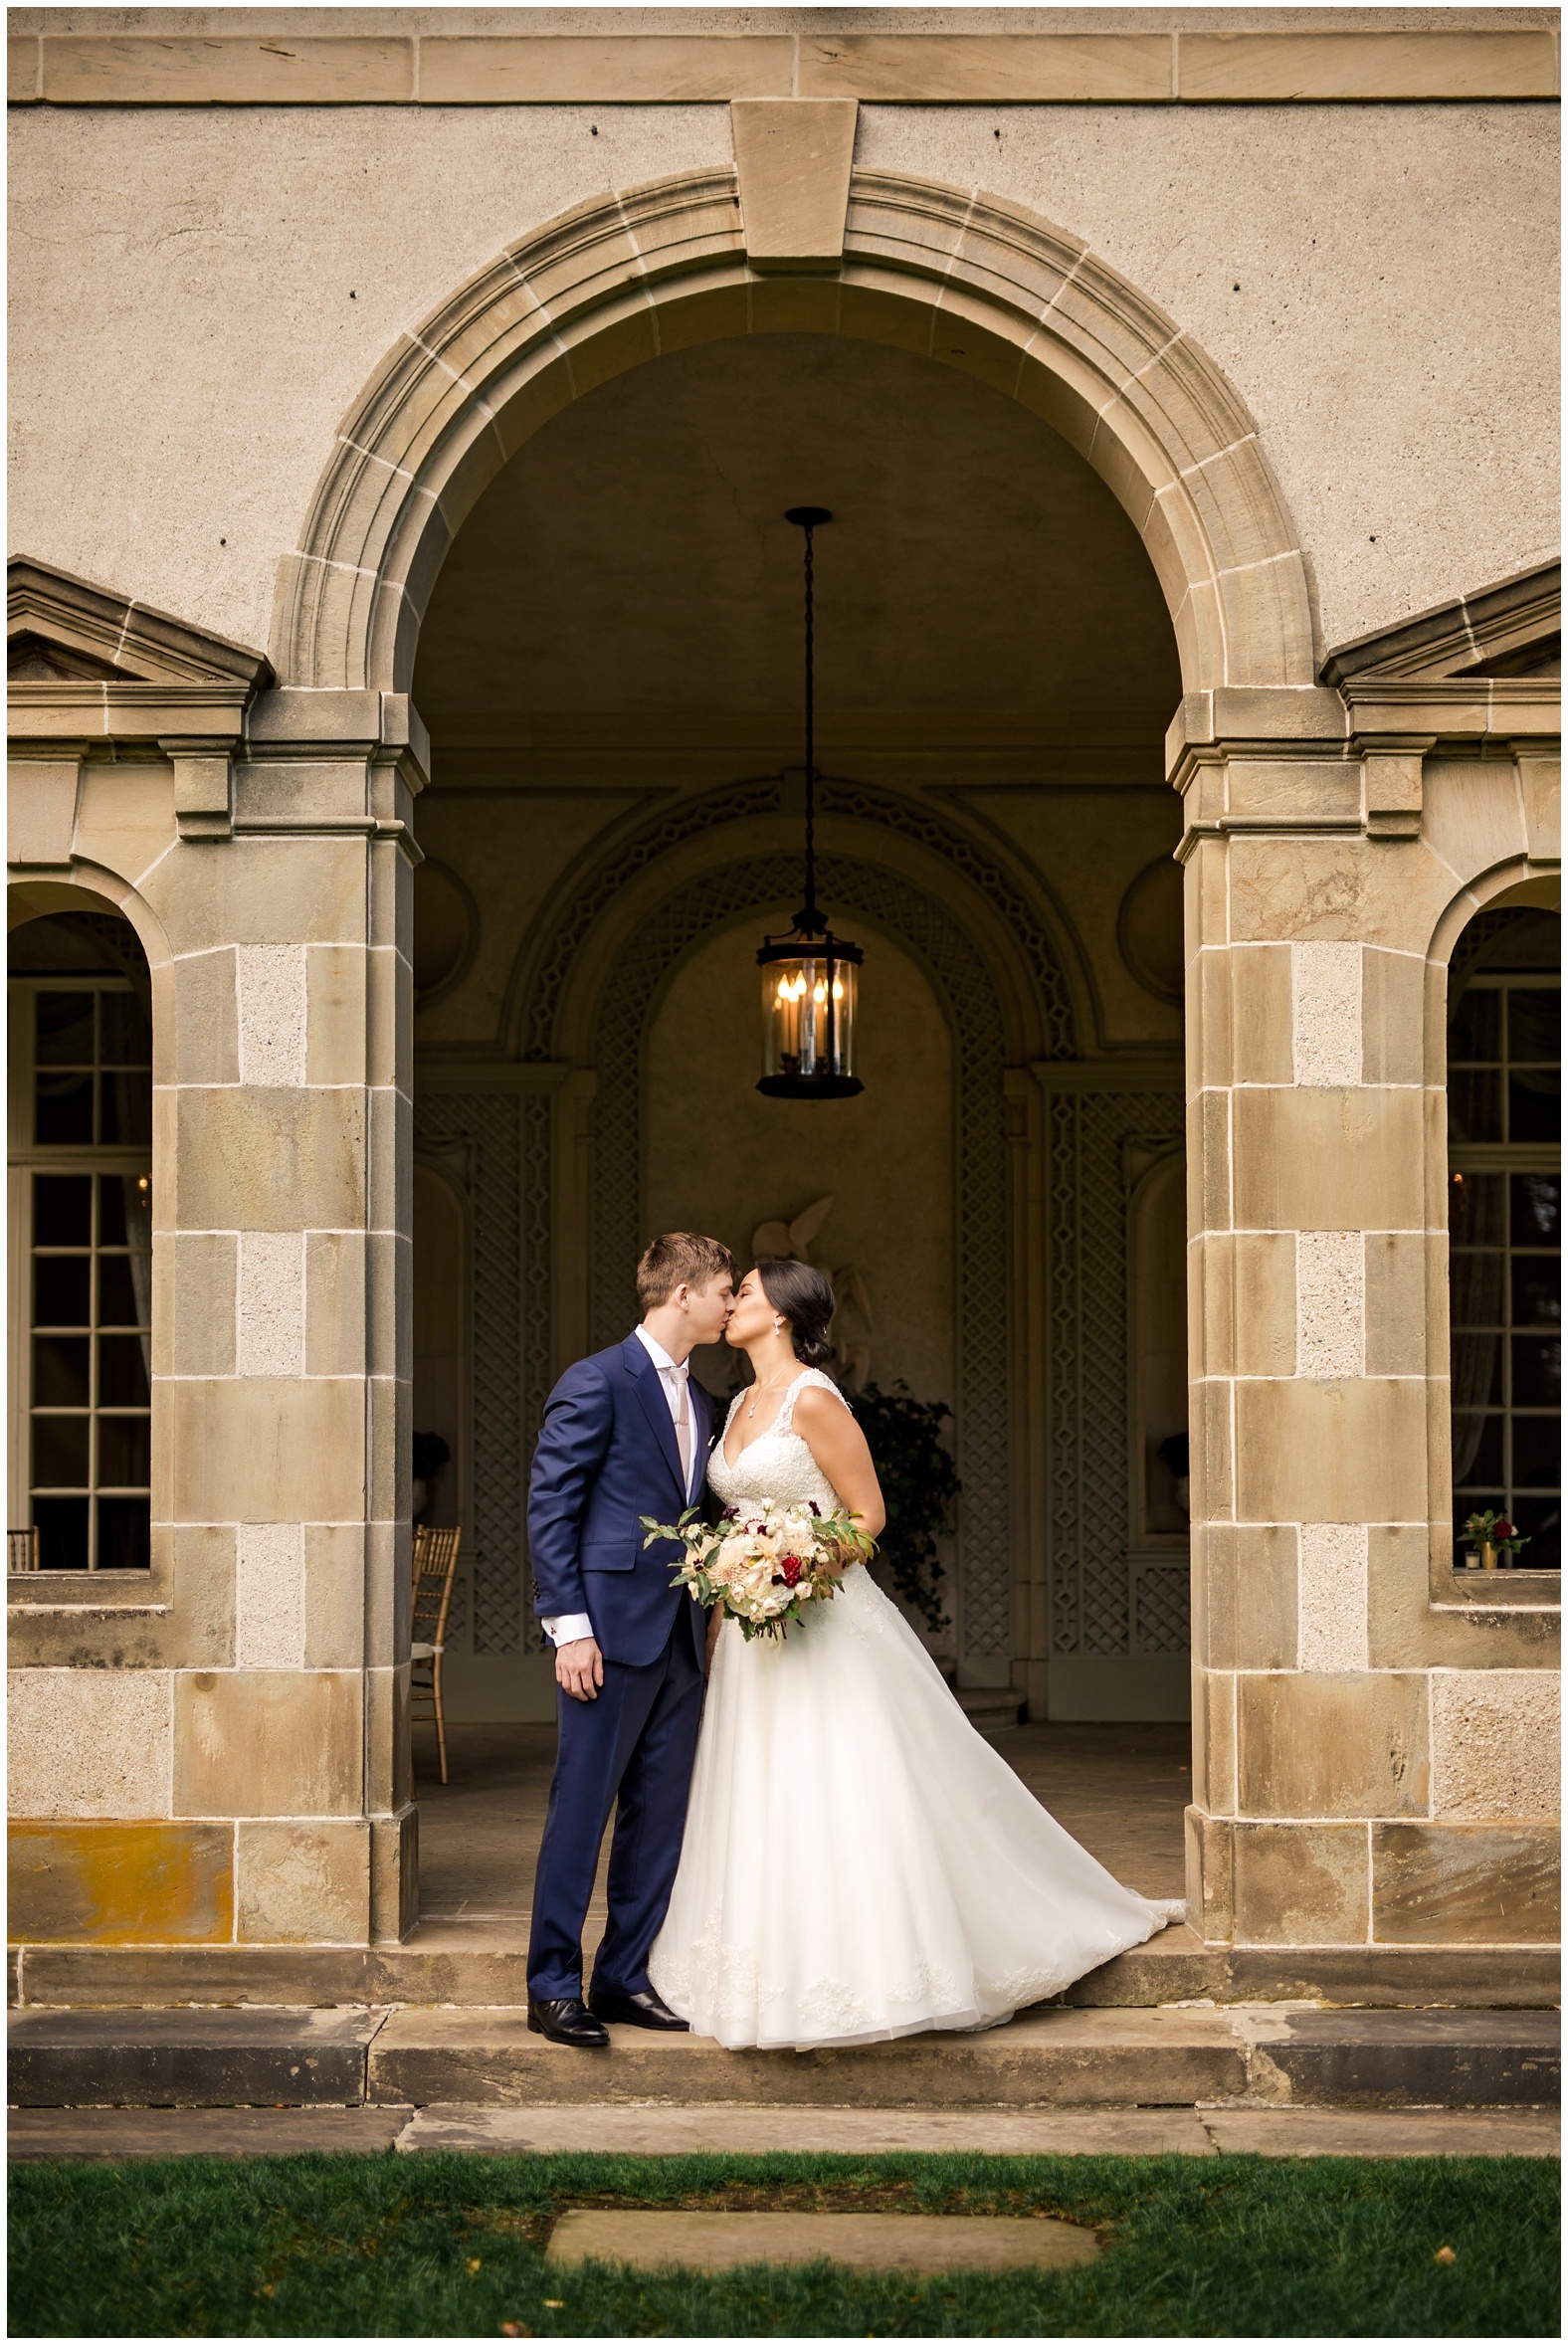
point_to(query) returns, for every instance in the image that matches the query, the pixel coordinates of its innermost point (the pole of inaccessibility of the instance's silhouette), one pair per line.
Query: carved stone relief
(854, 1319)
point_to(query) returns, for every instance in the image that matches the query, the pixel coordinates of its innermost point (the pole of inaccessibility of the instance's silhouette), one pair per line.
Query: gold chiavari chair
(435, 1571)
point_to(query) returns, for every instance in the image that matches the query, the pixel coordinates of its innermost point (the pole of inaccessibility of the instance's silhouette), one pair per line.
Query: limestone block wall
(217, 1751)
(1375, 1741)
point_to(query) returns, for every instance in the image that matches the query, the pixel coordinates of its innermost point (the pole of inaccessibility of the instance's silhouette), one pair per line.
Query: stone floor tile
(1120, 1790)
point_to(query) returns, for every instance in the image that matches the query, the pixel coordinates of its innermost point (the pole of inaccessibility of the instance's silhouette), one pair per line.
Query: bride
(857, 1862)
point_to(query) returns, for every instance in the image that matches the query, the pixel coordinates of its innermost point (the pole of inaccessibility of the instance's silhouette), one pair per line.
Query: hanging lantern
(810, 978)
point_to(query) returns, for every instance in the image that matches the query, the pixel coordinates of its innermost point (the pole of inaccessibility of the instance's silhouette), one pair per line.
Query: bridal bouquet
(764, 1565)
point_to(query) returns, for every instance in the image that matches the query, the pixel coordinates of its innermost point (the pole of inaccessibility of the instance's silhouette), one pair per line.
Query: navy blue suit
(607, 1455)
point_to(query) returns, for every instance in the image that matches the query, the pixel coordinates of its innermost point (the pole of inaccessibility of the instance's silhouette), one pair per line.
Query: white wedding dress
(859, 1862)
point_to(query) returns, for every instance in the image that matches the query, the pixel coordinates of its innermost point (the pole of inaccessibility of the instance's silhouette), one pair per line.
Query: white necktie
(683, 1375)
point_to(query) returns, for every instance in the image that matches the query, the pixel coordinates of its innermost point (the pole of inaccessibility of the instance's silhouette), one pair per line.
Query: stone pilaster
(253, 1783)
(1337, 1674)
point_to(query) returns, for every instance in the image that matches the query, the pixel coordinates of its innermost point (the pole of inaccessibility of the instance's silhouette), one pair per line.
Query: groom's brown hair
(678, 1259)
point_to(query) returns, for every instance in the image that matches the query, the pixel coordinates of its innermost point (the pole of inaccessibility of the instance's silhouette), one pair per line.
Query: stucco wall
(1395, 332)
(197, 295)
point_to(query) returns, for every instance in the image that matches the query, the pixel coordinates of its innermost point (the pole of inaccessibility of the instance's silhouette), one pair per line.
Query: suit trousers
(631, 1750)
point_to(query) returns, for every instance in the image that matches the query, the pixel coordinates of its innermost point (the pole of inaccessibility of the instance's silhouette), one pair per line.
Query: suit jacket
(607, 1455)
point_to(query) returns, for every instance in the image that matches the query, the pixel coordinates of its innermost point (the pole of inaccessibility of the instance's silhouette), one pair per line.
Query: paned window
(81, 1223)
(92, 1069)
(1504, 1261)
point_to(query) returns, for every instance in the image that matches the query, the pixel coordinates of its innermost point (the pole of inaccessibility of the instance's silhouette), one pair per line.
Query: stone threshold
(485, 1964)
(1264, 2056)
(112, 2134)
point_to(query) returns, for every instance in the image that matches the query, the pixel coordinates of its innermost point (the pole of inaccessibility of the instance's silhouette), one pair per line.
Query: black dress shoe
(566, 2018)
(647, 2009)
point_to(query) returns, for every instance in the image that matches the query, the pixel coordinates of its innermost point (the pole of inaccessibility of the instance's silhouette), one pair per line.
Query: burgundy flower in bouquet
(767, 1568)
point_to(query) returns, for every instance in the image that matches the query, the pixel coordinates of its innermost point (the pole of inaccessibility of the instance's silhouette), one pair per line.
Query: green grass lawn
(453, 2246)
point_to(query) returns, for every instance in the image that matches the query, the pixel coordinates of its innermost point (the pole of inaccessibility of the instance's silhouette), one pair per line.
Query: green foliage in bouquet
(919, 1483)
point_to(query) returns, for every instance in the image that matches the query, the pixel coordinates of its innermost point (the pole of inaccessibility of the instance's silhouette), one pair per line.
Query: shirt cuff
(565, 1628)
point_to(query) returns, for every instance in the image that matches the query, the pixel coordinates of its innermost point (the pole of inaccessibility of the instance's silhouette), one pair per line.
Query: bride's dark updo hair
(804, 1299)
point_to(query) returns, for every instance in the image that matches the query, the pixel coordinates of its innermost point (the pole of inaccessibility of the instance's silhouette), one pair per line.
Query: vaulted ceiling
(629, 579)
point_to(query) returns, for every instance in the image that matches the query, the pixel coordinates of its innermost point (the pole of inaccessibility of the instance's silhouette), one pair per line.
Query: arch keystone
(792, 158)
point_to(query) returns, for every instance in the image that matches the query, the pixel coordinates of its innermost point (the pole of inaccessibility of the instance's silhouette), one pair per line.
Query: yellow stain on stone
(121, 1884)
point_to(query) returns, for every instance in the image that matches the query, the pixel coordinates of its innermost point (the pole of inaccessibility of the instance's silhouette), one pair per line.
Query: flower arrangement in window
(1490, 1540)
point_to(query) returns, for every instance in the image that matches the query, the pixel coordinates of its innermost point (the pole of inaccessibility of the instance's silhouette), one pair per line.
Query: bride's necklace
(758, 1390)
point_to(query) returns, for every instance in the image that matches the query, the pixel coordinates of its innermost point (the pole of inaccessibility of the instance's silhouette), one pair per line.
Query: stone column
(222, 1750)
(1335, 1801)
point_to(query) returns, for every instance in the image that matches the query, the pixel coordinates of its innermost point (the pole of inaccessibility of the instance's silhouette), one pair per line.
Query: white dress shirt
(674, 1378)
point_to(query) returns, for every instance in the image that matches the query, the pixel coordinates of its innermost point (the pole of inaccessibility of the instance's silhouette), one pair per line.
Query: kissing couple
(812, 1843)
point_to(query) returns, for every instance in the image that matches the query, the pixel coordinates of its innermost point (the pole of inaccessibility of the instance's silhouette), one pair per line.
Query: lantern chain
(811, 735)
(807, 518)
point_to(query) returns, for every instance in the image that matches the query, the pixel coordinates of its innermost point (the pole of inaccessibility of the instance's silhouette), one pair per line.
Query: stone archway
(976, 284)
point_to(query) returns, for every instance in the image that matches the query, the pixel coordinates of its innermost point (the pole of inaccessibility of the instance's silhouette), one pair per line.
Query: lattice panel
(1063, 1380)
(534, 1333)
(1091, 1594)
(494, 1572)
(984, 1576)
(1164, 1609)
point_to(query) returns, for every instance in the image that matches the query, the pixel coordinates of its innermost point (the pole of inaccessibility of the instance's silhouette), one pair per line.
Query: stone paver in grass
(866, 2242)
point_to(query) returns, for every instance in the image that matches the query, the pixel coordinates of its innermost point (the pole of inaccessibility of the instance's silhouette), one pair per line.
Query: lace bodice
(780, 1465)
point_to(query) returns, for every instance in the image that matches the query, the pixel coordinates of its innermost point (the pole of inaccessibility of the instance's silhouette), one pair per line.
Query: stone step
(1054, 2057)
(193, 2058)
(1059, 2057)
(990, 1710)
(485, 1964)
(639, 2131)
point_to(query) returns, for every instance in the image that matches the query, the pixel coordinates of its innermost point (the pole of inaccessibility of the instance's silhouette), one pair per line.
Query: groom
(625, 1434)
